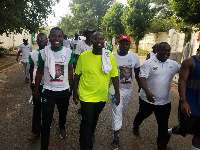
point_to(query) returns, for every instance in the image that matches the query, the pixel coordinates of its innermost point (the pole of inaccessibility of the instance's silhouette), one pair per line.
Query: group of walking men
(53, 81)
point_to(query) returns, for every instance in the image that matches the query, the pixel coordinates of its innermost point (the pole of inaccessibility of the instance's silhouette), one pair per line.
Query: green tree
(137, 18)
(89, 13)
(112, 21)
(187, 11)
(17, 15)
(67, 25)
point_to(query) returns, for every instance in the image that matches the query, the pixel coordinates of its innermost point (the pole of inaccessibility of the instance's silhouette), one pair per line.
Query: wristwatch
(182, 99)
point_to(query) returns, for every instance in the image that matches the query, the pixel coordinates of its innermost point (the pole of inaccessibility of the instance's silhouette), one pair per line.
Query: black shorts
(189, 124)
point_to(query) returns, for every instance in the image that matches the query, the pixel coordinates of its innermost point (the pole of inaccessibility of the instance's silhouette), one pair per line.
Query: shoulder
(133, 54)
(68, 50)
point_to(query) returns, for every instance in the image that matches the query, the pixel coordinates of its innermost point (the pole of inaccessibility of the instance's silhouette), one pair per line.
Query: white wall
(15, 39)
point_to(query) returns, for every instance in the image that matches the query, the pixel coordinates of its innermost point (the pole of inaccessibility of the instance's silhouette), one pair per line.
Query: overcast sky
(61, 9)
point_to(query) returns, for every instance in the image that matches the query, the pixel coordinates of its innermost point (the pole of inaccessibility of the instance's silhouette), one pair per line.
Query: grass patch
(141, 52)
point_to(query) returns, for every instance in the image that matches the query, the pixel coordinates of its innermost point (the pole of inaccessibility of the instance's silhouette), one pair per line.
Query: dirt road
(16, 113)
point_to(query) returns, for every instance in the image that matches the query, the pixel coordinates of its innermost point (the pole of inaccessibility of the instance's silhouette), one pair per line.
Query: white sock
(170, 131)
(194, 148)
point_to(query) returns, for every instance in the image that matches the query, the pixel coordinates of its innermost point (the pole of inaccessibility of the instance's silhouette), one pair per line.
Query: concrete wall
(13, 39)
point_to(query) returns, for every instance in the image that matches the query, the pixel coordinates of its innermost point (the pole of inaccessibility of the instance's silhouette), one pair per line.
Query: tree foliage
(112, 21)
(67, 25)
(137, 18)
(188, 11)
(17, 15)
(88, 13)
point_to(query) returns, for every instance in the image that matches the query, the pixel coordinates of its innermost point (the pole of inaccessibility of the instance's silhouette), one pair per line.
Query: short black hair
(198, 49)
(160, 46)
(41, 34)
(56, 28)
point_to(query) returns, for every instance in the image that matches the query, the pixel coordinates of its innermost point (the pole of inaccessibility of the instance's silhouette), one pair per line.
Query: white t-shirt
(158, 76)
(82, 47)
(74, 44)
(66, 43)
(26, 49)
(126, 65)
(62, 60)
(34, 58)
(151, 54)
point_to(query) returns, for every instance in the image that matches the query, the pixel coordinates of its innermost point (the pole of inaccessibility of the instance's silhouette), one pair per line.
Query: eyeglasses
(41, 39)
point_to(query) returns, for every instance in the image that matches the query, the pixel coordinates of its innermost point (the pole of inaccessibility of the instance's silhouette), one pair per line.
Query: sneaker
(34, 137)
(115, 143)
(169, 134)
(136, 131)
(62, 133)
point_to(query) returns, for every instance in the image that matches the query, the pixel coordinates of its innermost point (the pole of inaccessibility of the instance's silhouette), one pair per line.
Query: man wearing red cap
(128, 63)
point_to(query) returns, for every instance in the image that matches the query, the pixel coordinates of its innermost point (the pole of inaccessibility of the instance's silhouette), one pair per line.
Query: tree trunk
(136, 46)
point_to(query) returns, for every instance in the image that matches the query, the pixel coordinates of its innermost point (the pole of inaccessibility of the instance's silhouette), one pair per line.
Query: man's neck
(25, 43)
(97, 51)
(41, 47)
(121, 54)
(55, 48)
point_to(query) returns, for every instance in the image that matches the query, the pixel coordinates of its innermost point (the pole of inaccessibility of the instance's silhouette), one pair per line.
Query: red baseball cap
(125, 37)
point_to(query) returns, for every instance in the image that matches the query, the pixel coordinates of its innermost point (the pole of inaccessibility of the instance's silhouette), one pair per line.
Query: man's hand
(118, 99)
(76, 98)
(36, 94)
(185, 108)
(150, 97)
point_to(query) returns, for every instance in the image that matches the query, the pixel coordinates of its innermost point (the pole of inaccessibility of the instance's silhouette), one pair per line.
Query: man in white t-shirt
(58, 83)
(33, 59)
(66, 42)
(83, 46)
(25, 48)
(128, 63)
(156, 75)
(74, 42)
(153, 52)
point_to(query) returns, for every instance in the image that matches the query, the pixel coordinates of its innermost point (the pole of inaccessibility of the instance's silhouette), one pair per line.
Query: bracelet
(36, 93)
(182, 99)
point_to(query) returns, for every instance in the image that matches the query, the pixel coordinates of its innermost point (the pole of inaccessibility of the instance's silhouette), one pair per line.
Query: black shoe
(115, 143)
(62, 133)
(33, 137)
(136, 131)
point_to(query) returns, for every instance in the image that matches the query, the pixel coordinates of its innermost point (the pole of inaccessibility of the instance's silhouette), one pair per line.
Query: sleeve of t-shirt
(72, 58)
(178, 66)
(114, 71)
(31, 48)
(20, 47)
(30, 60)
(78, 69)
(137, 64)
(40, 61)
(145, 70)
(78, 49)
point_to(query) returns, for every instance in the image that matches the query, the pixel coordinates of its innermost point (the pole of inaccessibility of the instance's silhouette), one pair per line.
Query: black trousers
(162, 113)
(90, 115)
(36, 120)
(49, 99)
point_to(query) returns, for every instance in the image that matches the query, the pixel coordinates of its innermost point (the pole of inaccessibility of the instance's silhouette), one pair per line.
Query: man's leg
(196, 130)
(145, 110)
(36, 120)
(48, 104)
(162, 113)
(86, 126)
(62, 102)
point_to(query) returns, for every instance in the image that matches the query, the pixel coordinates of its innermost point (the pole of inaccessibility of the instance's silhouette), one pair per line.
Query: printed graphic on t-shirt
(59, 70)
(125, 74)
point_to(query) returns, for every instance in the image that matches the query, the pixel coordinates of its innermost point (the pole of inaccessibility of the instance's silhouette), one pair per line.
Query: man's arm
(75, 93)
(70, 75)
(18, 54)
(38, 78)
(137, 71)
(76, 59)
(186, 67)
(143, 84)
(115, 81)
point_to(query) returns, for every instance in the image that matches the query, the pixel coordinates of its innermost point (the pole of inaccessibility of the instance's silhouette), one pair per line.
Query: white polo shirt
(158, 76)
(82, 47)
(26, 49)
